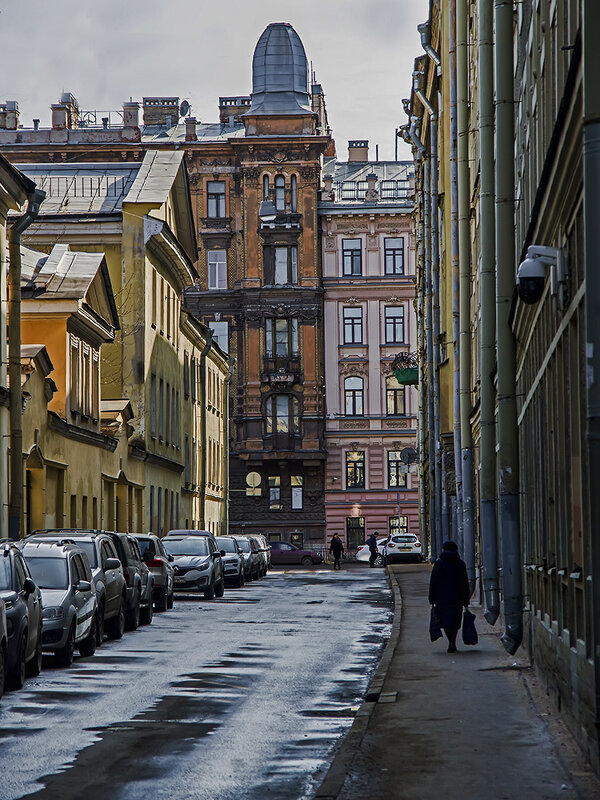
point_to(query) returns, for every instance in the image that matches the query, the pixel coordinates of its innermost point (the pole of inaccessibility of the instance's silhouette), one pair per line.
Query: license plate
(179, 580)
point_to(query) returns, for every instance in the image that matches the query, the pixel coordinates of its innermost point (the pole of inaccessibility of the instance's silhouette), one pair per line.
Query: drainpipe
(508, 449)
(487, 288)
(454, 255)
(429, 349)
(204, 459)
(591, 210)
(226, 435)
(425, 31)
(15, 501)
(464, 258)
(434, 306)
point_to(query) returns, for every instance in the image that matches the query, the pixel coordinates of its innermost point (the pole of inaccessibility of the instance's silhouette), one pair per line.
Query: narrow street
(240, 697)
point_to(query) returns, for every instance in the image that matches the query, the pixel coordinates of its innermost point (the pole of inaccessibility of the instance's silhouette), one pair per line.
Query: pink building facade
(368, 252)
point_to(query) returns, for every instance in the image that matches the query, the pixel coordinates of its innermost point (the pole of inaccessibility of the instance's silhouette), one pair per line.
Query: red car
(285, 553)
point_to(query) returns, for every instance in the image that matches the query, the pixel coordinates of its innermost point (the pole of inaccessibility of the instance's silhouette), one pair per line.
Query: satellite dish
(408, 455)
(253, 479)
(184, 109)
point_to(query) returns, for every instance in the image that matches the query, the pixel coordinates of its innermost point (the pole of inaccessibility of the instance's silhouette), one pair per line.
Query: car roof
(42, 548)
(188, 532)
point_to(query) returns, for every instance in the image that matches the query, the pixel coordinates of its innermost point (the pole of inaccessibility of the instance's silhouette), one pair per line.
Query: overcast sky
(108, 50)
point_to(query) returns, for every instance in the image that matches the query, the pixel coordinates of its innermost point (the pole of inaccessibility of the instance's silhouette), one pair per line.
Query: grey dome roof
(279, 73)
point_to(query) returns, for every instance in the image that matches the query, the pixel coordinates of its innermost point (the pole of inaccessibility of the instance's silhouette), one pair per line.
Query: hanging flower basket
(406, 369)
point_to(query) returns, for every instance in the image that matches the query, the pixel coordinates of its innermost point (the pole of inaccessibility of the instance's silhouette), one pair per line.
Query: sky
(105, 52)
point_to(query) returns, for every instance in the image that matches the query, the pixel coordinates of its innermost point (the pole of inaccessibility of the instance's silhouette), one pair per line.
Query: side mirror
(170, 557)
(28, 586)
(84, 586)
(112, 563)
(222, 552)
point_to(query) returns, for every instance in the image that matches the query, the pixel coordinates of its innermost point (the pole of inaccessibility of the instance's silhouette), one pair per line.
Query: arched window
(265, 187)
(294, 193)
(282, 414)
(280, 193)
(354, 396)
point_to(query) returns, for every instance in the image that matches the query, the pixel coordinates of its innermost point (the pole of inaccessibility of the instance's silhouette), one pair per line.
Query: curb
(335, 778)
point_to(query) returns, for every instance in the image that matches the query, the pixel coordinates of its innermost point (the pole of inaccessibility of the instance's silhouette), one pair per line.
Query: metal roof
(155, 177)
(358, 170)
(205, 131)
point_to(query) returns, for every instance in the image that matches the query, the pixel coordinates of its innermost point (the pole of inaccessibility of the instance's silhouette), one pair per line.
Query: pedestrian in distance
(337, 549)
(372, 545)
(449, 591)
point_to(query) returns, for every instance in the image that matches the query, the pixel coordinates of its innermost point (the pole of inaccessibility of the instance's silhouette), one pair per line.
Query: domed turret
(279, 73)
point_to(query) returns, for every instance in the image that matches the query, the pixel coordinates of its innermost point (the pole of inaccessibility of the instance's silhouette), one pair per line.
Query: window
(280, 193)
(394, 324)
(186, 374)
(161, 413)
(294, 193)
(275, 493)
(352, 256)
(265, 187)
(168, 415)
(353, 326)
(173, 418)
(394, 397)
(220, 334)
(396, 474)
(353, 396)
(74, 369)
(217, 269)
(297, 539)
(282, 414)
(95, 384)
(153, 406)
(281, 337)
(394, 256)
(355, 469)
(280, 265)
(188, 473)
(398, 525)
(193, 378)
(296, 481)
(154, 279)
(216, 198)
(355, 532)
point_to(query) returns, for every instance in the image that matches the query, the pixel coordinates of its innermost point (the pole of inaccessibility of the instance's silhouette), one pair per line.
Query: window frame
(394, 470)
(352, 322)
(354, 461)
(358, 529)
(351, 258)
(392, 393)
(294, 415)
(279, 190)
(393, 256)
(354, 398)
(216, 269)
(394, 325)
(215, 200)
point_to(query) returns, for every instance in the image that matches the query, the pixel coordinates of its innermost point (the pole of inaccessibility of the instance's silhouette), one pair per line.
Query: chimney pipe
(190, 129)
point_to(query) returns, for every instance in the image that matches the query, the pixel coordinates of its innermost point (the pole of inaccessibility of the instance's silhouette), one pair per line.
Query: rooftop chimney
(12, 114)
(190, 129)
(233, 108)
(328, 192)
(371, 194)
(160, 110)
(59, 116)
(131, 115)
(358, 150)
(72, 106)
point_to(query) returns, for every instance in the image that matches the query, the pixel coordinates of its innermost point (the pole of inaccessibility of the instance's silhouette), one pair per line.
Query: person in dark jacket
(449, 591)
(372, 544)
(337, 548)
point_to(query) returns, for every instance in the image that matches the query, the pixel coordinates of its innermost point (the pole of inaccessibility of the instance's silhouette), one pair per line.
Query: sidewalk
(450, 726)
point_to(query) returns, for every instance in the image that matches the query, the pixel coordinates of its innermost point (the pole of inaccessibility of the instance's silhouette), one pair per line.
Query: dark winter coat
(372, 543)
(449, 589)
(337, 547)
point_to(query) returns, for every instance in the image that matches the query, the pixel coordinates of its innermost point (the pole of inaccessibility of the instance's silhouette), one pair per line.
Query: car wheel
(240, 580)
(379, 561)
(16, 677)
(34, 665)
(2, 669)
(100, 625)
(64, 655)
(209, 594)
(306, 561)
(87, 647)
(220, 588)
(170, 600)
(115, 626)
(162, 602)
(132, 617)
(146, 614)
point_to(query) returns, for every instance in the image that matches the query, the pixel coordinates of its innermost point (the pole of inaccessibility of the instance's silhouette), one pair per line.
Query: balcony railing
(284, 369)
(281, 441)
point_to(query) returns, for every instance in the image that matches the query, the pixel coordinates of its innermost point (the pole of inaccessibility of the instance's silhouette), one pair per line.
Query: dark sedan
(285, 553)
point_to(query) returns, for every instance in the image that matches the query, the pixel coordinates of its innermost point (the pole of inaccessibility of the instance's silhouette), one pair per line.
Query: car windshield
(244, 546)
(48, 572)
(194, 546)
(5, 582)
(89, 548)
(226, 544)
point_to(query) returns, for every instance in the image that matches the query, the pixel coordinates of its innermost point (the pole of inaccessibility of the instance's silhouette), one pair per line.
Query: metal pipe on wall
(487, 288)
(508, 444)
(429, 347)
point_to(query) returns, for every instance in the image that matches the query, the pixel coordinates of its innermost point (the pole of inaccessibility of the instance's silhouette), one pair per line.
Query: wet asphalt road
(240, 698)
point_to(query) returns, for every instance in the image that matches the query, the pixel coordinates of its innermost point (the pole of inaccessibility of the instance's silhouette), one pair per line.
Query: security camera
(531, 275)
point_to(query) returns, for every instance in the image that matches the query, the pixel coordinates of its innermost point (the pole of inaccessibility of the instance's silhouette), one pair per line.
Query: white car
(399, 547)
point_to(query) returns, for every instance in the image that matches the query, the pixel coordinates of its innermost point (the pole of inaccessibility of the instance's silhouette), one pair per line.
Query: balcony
(281, 442)
(284, 370)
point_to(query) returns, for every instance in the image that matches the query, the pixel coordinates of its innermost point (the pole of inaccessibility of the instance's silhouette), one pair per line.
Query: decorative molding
(355, 424)
(330, 242)
(360, 368)
(352, 301)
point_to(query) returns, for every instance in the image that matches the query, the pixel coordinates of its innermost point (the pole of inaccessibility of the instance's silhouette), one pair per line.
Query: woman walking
(449, 591)
(337, 549)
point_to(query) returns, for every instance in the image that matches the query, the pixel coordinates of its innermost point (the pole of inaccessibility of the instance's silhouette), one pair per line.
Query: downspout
(435, 308)
(15, 501)
(203, 460)
(227, 436)
(508, 450)
(591, 209)
(425, 32)
(464, 258)
(487, 288)
(458, 526)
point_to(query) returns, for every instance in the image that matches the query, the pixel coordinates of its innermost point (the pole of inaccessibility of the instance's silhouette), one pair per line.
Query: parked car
(107, 574)
(158, 562)
(3, 644)
(285, 553)
(190, 532)
(253, 560)
(263, 564)
(233, 560)
(399, 547)
(198, 565)
(265, 547)
(23, 606)
(70, 608)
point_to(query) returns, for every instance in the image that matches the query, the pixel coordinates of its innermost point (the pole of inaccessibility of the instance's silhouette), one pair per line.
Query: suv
(265, 547)
(107, 574)
(252, 557)
(158, 562)
(233, 560)
(198, 564)
(63, 573)
(23, 603)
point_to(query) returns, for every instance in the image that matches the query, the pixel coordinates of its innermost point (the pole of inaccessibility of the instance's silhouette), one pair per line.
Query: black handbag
(469, 634)
(435, 629)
